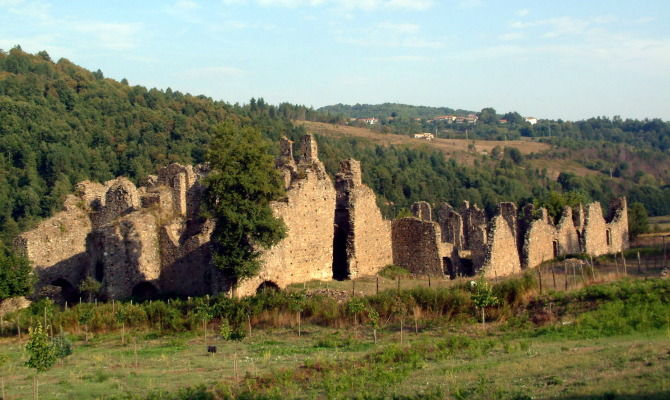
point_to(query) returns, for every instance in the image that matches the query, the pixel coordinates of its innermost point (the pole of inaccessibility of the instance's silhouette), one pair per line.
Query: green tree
(15, 274)
(482, 295)
(90, 287)
(42, 353)
(240, 188)
(638, 219)
(488, 116)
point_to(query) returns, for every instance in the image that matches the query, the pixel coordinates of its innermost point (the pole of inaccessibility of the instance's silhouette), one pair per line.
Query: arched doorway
(267, 286)
(69, 292)
(145, 290)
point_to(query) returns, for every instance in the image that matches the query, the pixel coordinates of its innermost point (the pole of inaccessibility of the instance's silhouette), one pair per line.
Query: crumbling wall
(308, 212)
(540, 242)
(417, 246)
(186, 257)
(476, 236)
(595, 231)
(501, 255)
(127, 251)
(566, 234)
(422, 210)
(617, 225)
(57, 246)
(451, 224)
(362, 242)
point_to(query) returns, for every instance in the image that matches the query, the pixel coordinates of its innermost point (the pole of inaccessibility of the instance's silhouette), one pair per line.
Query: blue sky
(549, 59)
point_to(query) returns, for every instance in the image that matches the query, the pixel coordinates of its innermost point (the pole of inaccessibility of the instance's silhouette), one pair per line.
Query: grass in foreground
(602, 342)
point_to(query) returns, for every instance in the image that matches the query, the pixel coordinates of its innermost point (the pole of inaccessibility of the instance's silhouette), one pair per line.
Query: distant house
(424, 136)
(502, 121)
(369, 121)
(447, 118)
(531, 120)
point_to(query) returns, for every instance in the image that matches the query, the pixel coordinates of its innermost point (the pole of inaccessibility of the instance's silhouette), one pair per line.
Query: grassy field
(492, 365)
(660, 224)
(459, 149)
(603, 341)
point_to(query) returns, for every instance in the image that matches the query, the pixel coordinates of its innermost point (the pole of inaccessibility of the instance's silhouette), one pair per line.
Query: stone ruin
(464, 242)
(151, 240)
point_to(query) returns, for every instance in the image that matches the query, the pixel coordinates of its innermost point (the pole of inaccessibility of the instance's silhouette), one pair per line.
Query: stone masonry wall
(566, 234)
(539, 242)
(618, 225)
(308, 212)
(595, 231)
(366, 235)
(501, 255)
(129, 253)
(417, 246)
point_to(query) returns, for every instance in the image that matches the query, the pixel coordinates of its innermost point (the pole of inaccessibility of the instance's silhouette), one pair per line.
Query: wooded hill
(60, 124)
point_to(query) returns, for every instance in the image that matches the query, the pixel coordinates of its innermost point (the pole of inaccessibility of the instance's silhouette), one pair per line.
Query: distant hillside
(390, 110)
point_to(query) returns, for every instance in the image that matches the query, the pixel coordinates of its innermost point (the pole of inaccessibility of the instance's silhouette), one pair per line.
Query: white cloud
(112, 36)
(365, 5)
(522, 12)
(400, 59)
(185, 5)
(511, 36)
(470, 3)
(389, 34)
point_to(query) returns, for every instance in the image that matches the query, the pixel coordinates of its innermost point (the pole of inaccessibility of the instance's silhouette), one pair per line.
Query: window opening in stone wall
(555, 245)
(69, 293)
(608, 237)
(145, 291)
(267, 286)
(99, 272)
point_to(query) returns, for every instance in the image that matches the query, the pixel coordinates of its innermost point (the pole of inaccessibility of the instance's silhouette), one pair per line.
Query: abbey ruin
(151, 240)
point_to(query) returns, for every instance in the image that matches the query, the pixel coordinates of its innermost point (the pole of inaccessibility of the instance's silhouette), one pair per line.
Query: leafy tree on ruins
(240, 187)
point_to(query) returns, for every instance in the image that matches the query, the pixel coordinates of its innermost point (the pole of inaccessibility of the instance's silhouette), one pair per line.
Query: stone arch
(267, 286)
(145, 290)
(68, 291)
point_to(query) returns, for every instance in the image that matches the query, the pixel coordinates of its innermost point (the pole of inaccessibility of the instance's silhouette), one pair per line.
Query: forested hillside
(60, 124)
(389, 110)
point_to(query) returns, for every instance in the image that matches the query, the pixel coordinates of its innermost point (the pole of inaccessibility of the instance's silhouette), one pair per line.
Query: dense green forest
(60, 124)
(389, 110)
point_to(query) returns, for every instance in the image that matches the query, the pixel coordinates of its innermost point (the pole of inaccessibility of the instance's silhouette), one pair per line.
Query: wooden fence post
(625, 267)
(553, 275)
(539, 277)
(639, 264)
(565, 274)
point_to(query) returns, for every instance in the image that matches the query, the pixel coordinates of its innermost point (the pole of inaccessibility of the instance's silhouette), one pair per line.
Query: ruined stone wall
(362, 242)
(595, 231)
(422, 210)
(186, 257)
(539, 242)
(474, 224)
(451, 224)
(501, 255)
(308, 212)
(127, 251)
(618, 225)
(417, 246)
(567, 235)
(57, 246)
